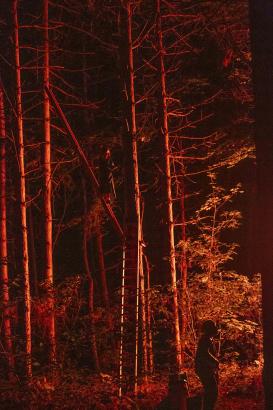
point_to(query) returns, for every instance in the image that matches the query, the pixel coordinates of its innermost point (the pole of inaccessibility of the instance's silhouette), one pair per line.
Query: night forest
(136, 202)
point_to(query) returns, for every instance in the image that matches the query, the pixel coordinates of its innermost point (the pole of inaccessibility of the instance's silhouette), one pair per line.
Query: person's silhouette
(106, 167)
(206, 364)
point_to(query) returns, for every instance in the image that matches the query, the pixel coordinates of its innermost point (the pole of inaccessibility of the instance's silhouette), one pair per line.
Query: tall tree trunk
(261, 13)
(94, 350)
(149, 315)
(144, 324)
(184, 273)
(47, 198)
(33, 257)
(168, 191)
(4, 277)
(132, 205)
(211, 251)
(23, 205)
(133, 193)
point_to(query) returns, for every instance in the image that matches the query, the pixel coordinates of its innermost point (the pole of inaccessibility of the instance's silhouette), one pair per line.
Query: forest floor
(240, 389)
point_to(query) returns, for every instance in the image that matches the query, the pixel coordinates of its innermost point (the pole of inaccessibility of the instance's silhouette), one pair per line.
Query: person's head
(209, 328)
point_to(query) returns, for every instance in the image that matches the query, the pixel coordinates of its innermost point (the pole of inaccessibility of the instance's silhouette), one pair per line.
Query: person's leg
(210, 384)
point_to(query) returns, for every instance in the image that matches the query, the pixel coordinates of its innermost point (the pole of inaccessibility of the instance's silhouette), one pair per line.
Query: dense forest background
(164, 87)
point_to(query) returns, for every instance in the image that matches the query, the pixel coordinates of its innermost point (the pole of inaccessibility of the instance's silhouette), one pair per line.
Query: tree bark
(184, 275)
(33, 255)
(149, 317)
(47, 198)
(164, 130)
(143, 310)
(4, 276)
(261, 13)
(23, 205)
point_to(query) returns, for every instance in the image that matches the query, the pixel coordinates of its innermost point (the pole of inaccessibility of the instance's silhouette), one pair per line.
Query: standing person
(106, 167)
(206, 364)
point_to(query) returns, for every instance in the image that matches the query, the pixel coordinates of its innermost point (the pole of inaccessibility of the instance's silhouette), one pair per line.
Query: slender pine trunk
(149, 316)
(143, 315)
(23, 205)
(211, 257)
(184, 274)
(47, 198)
(33, 255)
(93, 340)
(167, 189)
(142, 302)
(4, 276)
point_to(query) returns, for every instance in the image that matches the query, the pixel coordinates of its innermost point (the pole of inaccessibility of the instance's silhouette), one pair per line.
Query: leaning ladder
(129, 324)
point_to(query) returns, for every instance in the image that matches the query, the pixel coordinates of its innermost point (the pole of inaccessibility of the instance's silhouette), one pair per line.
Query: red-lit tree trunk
(167, 190)
(148, 316)
(4, 277)
(132, 204)
(184, 272)
(47, 197)
(33, 254)
(143, 310)
(141, 304)
(23, 205)
(261, 13)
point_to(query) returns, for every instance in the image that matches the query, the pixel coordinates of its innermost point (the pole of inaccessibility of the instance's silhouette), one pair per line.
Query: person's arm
(206, 355)
(213, 359)
(214, 362)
